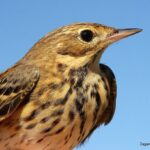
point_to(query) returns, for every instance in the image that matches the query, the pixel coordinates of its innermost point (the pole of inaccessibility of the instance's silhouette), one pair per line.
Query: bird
(59, 93)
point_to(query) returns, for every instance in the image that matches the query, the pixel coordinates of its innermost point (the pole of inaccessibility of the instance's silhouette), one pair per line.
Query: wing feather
(110, 77)
(15, 84)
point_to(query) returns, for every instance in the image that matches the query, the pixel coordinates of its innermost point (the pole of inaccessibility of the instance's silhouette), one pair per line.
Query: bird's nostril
(112, 33)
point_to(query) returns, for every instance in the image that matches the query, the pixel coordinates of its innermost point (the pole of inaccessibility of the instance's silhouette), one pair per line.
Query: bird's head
(80, 43)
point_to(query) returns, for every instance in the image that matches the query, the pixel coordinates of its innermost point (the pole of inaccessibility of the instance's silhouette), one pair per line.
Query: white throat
(95, 64)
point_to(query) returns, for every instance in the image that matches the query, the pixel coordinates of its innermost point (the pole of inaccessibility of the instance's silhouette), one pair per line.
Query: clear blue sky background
(24, 22)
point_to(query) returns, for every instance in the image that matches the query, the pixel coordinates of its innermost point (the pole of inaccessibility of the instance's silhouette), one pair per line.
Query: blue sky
(24, 22)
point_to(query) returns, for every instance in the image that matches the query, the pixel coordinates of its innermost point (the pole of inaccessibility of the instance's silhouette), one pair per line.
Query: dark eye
(86, 35)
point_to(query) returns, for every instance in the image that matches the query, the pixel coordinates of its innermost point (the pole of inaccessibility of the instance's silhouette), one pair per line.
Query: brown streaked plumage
(58, 93)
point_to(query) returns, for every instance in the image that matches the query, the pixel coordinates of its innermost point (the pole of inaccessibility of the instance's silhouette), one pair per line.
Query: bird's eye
(86, 35)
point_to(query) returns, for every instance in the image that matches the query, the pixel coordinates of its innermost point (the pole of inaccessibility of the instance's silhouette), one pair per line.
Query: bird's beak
(121, 33)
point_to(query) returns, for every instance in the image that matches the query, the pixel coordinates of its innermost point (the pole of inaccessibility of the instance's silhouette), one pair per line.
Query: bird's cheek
(102, 45)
